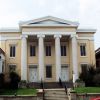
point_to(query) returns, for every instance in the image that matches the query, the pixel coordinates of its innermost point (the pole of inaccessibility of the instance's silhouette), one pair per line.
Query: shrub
(14, 80)
(1, 80)
(97, 79)
(23, 84)
(88, 75)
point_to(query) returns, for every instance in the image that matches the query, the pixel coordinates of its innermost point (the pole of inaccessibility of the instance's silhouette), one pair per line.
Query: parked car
(97, 98)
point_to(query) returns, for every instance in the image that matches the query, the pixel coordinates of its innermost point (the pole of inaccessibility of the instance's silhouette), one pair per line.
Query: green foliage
(88, 75)
(79, 80)
(1, 80)
(9, 81)
(14, 80)
(87, 90)
(91, 76)
(19, 91)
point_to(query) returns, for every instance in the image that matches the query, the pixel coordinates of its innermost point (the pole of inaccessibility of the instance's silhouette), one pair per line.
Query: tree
(88, 75)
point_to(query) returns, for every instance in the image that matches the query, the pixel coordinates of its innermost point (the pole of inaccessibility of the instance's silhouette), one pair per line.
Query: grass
(87, 90)
(26, 91)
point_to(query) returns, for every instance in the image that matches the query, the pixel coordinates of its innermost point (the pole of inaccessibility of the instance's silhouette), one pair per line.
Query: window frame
(50, 76)
(34, 50)
(14, 65)
(63, 49)
(82, 52)
(12, 53)
(84, 64)
(48, 50)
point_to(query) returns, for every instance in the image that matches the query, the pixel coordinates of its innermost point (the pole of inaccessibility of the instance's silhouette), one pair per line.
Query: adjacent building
(47, 48)
(97, 55)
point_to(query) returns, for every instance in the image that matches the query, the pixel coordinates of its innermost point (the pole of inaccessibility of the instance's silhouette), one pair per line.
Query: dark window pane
(12, 51)
(63, 50)
(83, 50)
(48, 71)
(48, 50)
(32, 50)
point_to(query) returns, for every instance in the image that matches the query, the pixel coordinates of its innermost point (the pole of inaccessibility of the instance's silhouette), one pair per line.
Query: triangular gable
(48, 20)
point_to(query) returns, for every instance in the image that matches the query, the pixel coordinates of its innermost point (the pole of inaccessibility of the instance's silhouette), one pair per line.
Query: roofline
(49, 17)
(86, 30)
(97, 51)
(9, 30)
(48, 25)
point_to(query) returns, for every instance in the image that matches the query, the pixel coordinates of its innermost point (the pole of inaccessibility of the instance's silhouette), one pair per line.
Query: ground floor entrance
(33, 74)
(64, 73)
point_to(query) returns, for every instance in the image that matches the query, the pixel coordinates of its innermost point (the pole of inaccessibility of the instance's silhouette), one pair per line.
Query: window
(48, 50)
(32, 50)
(12, 51)
(63, 50)
(83, 50)
(12, 68)
(48, 71)
(84, 67)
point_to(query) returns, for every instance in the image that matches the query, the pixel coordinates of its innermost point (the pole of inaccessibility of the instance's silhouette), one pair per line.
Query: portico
(41, 54)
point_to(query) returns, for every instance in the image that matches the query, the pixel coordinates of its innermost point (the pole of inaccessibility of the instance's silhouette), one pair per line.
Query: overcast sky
(86, 12)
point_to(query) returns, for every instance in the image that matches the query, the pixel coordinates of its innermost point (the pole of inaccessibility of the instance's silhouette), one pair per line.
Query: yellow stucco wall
(89, 59)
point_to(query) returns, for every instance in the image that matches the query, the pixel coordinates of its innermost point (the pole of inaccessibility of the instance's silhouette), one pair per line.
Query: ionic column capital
(74, 36)
(57, 36)
(24, 36)
(40, 35)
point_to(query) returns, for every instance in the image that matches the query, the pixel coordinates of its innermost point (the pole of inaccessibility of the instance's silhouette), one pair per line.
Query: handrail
(42, 86)
(65, 88)
(61, 84)
(60, 81)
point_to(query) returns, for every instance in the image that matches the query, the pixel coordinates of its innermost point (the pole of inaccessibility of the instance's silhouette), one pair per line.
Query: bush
(23, 84)
(14, 80)
(88, 75)
(97, 79)
(1, 80)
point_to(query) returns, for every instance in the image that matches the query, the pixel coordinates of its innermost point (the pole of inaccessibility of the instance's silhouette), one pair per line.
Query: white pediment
(49, 21)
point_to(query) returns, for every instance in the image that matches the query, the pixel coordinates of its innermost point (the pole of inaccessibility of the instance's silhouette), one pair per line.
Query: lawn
(87, 90)
(25, 91)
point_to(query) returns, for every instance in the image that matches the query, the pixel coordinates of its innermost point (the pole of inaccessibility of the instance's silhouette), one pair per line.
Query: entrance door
(33, 77)
(64, 73)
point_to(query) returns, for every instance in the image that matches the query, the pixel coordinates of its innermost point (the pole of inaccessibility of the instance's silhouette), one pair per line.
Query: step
(54, 92)
(56, 98)
(55, 95)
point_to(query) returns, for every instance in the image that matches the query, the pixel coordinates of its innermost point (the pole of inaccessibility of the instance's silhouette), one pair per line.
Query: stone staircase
(55, 94)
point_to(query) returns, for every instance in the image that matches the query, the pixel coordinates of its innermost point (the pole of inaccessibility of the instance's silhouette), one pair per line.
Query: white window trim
(35, 50)
(80, 44)
(15, 50)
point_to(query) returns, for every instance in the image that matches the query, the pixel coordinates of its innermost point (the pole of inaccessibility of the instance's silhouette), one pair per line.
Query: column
(58, 56)
(74, 58)
(24, 58)
(41, 56)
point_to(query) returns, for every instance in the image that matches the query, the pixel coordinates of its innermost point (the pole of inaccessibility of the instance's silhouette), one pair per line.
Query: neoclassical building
(47, 48)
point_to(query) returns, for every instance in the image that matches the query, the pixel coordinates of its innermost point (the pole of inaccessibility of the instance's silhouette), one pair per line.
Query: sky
(86, 12)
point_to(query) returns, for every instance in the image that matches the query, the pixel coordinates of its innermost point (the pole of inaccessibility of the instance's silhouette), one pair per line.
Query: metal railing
(42, 86)
(61, 84)
(65, 87)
